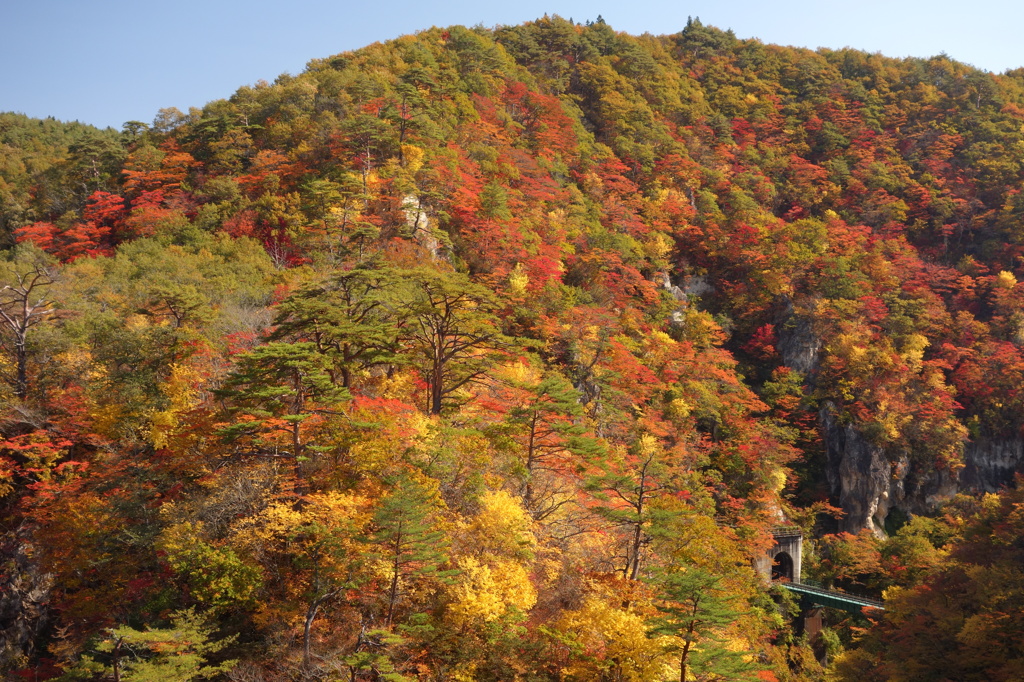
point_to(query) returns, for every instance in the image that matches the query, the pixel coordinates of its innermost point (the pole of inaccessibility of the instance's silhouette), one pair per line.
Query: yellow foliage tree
(182, 395)
(611, 643)
(502, 529)
(486, 592)
(315, 546)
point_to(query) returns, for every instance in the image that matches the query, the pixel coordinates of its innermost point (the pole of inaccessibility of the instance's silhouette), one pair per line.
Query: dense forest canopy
(498, 355)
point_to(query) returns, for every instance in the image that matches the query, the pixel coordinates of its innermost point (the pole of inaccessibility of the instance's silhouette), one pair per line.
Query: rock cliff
(24, 602)
(867, 481)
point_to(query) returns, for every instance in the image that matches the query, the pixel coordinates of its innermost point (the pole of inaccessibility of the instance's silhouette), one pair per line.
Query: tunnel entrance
(782, 567)
(782, 560)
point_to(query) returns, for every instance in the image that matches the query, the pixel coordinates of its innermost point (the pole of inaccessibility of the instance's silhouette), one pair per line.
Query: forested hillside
(498, 354)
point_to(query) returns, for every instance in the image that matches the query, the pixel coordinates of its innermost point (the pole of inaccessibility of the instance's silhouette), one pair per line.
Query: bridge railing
(815, 587)
(786, 531)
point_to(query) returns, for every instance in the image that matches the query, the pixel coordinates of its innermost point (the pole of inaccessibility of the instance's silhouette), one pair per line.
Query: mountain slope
(481, 354)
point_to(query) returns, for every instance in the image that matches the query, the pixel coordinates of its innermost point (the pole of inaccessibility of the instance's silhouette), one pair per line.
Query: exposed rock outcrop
(24, 600)
(798, 344)
(860, 475)
(991, 464)
(697, 285)
(868, 481)
(666, 284)
(417, 221)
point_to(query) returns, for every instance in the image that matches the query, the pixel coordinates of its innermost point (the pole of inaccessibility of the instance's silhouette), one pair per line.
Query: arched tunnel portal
(782, 561)
(782, 567)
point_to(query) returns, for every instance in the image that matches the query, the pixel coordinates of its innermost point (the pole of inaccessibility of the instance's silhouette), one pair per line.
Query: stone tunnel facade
(782, 561)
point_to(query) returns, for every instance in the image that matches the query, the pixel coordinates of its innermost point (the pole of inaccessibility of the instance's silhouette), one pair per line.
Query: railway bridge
(781, 564)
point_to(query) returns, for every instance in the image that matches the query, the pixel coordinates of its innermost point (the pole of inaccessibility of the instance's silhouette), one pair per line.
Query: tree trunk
(307, 628)
(634, 569)
(436, 394)
(393, 593)
(396, 567)
(19, 314)
(21, 381)
(116, 653)
(530, 464)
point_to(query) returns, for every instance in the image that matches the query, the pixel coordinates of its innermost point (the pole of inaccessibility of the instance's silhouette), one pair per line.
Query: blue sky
(109, 61)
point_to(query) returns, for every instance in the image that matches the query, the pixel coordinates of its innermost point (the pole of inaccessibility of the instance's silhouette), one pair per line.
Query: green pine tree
(347, 318)
(174, 654)
(694, 612)
(277, 387)
(407, 541)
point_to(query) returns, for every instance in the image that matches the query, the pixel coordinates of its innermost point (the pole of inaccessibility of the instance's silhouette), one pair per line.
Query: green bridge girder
(830, 598)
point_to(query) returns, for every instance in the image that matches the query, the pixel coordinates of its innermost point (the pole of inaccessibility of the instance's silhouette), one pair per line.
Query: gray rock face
(417, 221)
(798, 344)
(991, 464)
(697, 286)
(24, 600)
(859, 475)
(666, 284)
(863, 479)
(868, 481)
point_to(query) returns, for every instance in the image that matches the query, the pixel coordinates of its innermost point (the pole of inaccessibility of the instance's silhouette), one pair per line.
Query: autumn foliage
(497, 354)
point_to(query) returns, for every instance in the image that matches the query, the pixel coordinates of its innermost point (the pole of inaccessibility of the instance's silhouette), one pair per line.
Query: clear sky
(109, 61)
